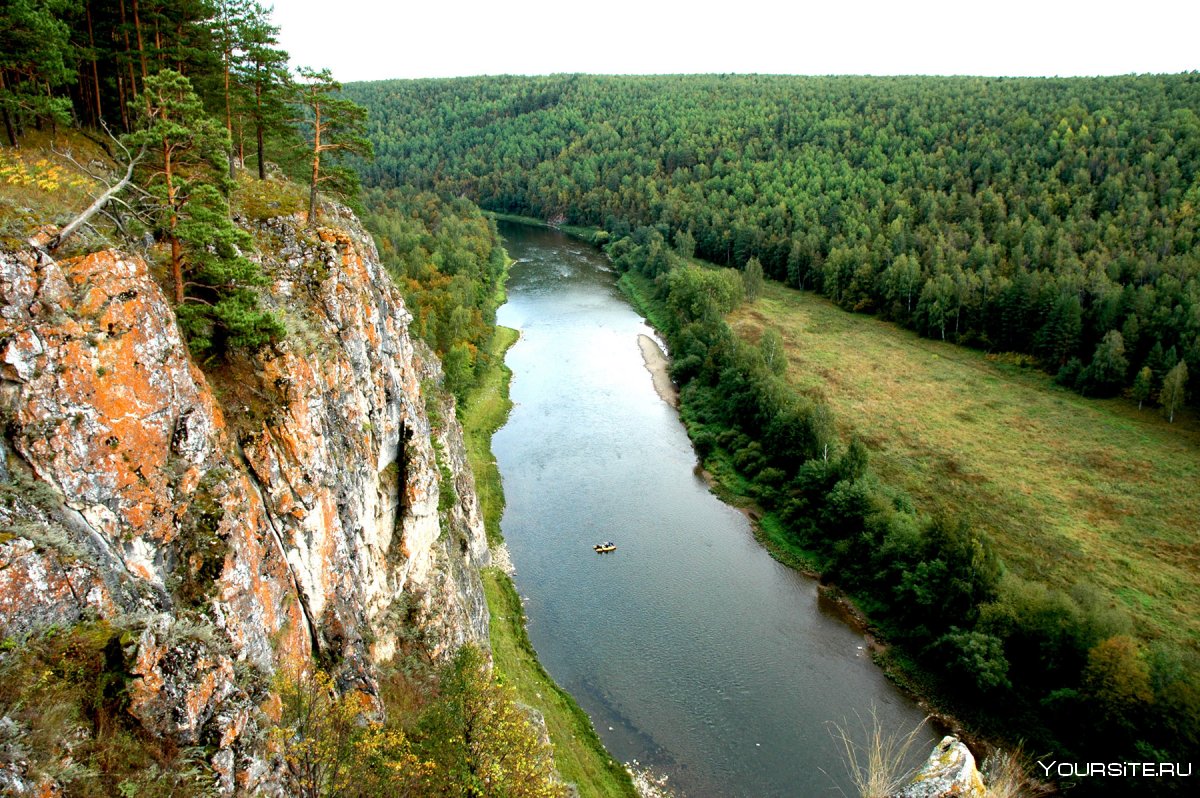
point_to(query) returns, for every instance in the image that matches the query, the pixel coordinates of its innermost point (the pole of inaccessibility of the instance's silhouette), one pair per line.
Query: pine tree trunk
(226, 57)
(258, 130)
(8, 123)
(50, 116)
(122, 101)
(95, 69)
(128, 60)
(316, 166)
(176, 249)
(158, 46)
(137, 25)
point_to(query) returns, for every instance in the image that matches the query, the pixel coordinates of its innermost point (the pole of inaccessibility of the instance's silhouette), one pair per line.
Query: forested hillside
(447, 259)
(1053, 217)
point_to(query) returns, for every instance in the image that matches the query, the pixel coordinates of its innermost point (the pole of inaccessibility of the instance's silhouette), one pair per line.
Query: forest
(447, 259)
(183, 97)
(1050, 217)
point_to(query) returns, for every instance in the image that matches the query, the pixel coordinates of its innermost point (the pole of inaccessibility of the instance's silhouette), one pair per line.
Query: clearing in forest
(1070, 489)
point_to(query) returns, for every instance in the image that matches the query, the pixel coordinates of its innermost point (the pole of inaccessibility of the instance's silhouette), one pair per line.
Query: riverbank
(659, 368)
(579, 756)
(726, 483)
(481, 414)
(592, 235)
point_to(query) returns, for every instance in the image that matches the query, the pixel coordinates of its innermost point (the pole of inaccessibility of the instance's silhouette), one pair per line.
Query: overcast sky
(371, 40)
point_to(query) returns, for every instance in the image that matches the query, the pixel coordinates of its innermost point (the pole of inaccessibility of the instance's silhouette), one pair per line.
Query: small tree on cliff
(336, 125)
(187, 186)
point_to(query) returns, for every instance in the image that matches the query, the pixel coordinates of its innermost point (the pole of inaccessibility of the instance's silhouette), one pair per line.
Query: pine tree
(229, 27)
(211, 280)
(263, 72)
(36, 57)
(337, 126)
(175, 128)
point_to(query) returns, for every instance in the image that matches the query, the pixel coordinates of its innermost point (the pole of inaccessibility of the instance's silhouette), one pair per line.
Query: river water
(693, 651)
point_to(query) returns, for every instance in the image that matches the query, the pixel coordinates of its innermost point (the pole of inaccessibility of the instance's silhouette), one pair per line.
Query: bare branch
(55, 242)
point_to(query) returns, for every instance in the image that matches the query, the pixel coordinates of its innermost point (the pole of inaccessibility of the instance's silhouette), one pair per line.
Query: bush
(976, 657)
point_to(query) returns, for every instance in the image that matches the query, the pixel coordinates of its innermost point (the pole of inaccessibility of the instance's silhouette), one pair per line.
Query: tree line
(1051, 217)
(1063, 670)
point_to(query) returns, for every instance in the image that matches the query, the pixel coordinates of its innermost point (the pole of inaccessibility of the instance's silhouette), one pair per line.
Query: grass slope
(1071, 489)
(484, 412)
(579, 755)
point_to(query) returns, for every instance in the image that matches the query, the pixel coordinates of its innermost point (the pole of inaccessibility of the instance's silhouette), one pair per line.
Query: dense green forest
(1053, 217)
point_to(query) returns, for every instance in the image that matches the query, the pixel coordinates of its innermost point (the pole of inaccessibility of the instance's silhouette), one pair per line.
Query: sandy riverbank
(656, 364)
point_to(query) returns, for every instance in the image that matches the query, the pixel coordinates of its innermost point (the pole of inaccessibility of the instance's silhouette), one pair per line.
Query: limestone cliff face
(296, 504)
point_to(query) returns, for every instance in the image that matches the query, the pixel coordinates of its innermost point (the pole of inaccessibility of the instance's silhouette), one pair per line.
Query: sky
(374, 40)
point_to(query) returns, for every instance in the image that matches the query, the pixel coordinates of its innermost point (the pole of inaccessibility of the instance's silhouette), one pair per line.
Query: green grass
(640, 290)
(482, 413)
(38, 186)
(265, 199)
(578, 753)
(1070, 489)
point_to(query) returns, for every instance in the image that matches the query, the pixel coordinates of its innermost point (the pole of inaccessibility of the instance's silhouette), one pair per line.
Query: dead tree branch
(55, 242)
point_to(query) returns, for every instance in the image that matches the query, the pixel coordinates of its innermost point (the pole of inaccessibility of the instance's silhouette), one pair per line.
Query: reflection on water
(693, 651)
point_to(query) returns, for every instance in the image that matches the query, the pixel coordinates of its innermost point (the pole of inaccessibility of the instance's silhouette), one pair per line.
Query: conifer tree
(229, 27)
(35, 57)
(211, 280)
(336, 126)
(263, 73)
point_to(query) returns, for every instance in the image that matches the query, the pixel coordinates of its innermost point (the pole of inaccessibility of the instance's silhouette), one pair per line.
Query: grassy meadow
(1071, 489)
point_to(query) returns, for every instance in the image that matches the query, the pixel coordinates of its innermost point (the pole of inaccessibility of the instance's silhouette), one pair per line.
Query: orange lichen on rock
(291, 524)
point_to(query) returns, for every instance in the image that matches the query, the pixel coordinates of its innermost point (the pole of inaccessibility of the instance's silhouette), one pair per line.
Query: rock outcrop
(949, 772)
(297, 503)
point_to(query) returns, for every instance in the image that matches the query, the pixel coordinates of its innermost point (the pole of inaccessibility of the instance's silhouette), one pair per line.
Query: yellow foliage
(472, 740)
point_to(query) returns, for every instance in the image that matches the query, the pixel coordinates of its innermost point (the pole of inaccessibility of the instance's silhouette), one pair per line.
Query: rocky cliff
(307, 503)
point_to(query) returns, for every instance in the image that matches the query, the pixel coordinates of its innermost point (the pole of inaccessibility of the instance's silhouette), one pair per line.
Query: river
(693, 651)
